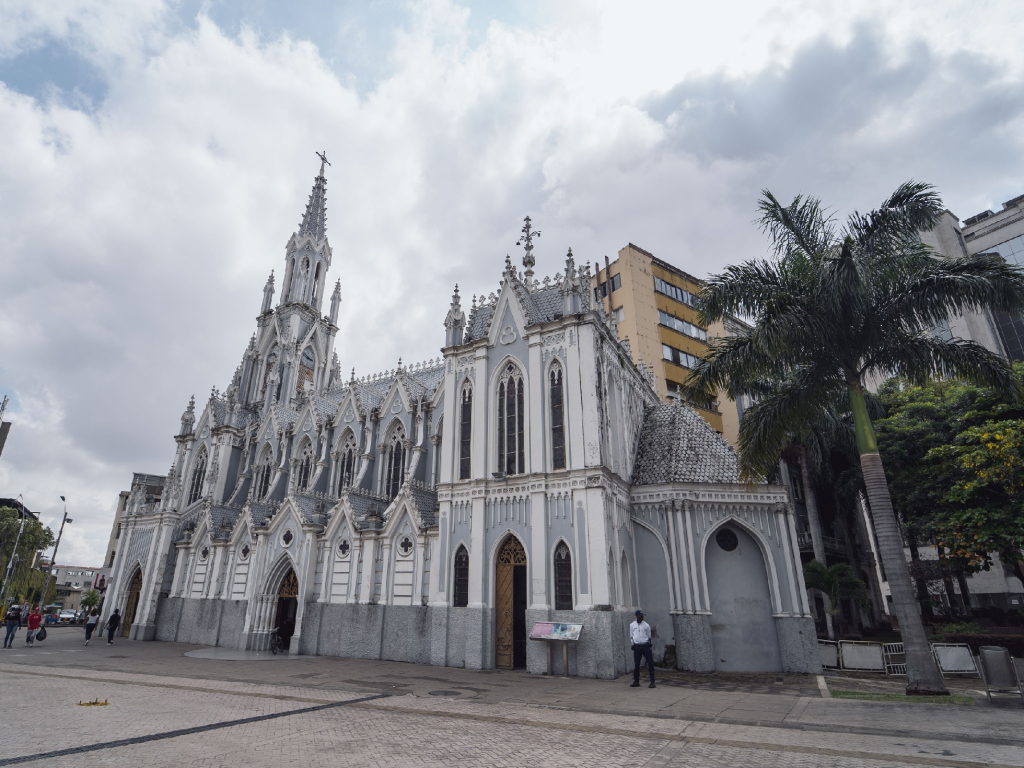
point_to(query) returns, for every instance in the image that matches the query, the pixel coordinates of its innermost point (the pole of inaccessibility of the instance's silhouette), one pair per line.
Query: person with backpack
(35, 618)
(13, 622)
(112, 624)
(90, 624)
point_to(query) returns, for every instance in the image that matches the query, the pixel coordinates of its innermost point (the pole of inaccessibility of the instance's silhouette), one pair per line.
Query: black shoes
(652, 685)
(634, 685)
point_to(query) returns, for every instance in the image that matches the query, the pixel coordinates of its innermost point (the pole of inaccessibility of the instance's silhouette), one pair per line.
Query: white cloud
(138, 234)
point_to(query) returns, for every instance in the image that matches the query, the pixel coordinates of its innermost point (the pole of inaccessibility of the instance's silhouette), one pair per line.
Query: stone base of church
(201, 622)
(142, 632)
(694, 652)
(798, 645)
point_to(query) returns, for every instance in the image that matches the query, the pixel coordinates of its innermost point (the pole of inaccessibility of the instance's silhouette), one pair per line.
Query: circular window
(344, 548)
(205, 553)
(727, 539)
(245, 551)
(287, 538)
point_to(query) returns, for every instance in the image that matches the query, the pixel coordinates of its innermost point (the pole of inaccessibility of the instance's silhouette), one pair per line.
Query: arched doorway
(130, 608)
(743, 632)
(510, 605)
(287, 605)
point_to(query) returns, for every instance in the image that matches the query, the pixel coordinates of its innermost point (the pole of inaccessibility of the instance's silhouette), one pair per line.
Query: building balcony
(833, 546)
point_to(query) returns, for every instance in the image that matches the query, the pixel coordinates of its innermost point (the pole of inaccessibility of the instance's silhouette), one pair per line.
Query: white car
(66, 617)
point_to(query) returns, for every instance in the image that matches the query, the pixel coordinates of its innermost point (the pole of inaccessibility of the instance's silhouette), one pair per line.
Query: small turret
(335, 302)
(455, 322)
(268, 293)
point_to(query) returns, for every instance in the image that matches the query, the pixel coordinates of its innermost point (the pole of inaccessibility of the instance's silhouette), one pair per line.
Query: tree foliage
(35, 537)
(837, 581)
(954, 452)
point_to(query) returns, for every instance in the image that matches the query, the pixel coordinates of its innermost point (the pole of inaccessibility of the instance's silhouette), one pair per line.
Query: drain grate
(445, 693)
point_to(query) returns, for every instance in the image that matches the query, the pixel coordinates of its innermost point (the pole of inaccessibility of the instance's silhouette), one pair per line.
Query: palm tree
(832, 309)
(835, 582)
(91, 599)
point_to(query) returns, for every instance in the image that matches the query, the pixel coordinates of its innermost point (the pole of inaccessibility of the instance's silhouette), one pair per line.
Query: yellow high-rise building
(653, 304)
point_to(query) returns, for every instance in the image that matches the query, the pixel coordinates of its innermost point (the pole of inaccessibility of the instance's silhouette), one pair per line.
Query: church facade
(432, 513)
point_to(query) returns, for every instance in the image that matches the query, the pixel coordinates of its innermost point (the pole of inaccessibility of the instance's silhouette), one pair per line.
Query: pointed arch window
(307, 365)
(563, 578)
(460, 584)
(511, 442)
(347, 464)
(557, 419)
(394, 462)
(316, 285)
(465, 433)
(305, 466)
(267, 368)
(264, 473)
(195, 489)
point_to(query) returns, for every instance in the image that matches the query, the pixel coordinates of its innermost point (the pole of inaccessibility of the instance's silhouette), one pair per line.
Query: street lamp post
(49, 569)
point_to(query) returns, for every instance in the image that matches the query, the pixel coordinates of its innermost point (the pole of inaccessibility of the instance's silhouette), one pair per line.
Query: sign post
(555, 632)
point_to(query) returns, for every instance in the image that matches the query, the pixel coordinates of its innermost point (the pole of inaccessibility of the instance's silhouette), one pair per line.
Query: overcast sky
(156, 157)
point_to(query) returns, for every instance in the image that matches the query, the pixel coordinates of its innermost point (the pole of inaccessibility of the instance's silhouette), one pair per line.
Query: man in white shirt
(640, 639)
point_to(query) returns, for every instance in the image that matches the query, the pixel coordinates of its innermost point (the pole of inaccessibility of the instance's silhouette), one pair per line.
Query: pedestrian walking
(90, 624)
(13, 621)
(112, 624)
(35, 618)
(640, 638)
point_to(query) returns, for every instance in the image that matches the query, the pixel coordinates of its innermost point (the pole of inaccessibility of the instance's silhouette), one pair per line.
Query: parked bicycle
(276, 643)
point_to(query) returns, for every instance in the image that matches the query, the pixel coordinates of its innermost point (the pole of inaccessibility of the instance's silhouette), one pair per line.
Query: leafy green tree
(836, 582)
(91, 599)
(832, 308)
(35, 537)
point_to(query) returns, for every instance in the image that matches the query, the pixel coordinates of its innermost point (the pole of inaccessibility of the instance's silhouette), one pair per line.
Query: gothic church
(432, 513)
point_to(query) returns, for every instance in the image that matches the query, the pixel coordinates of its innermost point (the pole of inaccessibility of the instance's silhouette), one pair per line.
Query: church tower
(291, 354)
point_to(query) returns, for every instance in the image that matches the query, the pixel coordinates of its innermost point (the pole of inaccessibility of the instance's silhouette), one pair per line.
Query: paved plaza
(179, 705)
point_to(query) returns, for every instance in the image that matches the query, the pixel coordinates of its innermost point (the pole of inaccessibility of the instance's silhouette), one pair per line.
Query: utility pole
(49, 568)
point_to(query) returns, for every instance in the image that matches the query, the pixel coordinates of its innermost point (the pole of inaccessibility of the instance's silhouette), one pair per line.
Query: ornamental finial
(323, 160)
(527, 242)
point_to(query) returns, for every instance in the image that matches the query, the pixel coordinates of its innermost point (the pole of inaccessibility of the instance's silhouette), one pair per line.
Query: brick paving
(496, 719)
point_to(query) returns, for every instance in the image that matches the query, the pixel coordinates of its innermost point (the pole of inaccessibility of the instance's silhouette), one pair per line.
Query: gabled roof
(678, 446)
(539, 306)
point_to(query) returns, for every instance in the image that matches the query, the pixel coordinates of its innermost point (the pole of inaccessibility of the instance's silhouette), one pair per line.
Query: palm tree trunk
(814, 523)
(923, 676)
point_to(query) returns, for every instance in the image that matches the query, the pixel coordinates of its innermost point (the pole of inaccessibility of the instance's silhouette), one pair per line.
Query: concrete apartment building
(73, 581)
(652, 302)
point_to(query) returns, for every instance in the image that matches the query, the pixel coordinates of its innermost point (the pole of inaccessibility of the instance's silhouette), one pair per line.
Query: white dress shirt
(640, 633)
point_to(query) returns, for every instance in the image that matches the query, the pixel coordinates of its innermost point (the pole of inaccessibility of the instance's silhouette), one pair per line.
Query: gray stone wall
(694, 650)
(798, 645)
(201, 622)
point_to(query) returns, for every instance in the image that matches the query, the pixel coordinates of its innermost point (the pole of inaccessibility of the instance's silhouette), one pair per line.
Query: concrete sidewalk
(763, 702)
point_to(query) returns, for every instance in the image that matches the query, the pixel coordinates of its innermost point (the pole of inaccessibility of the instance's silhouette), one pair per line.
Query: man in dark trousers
(12, 621)
(640, 637)
(112, 624)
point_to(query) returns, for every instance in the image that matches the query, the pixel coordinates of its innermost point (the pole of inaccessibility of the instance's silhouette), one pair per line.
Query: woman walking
(90, 624)
(112, 624)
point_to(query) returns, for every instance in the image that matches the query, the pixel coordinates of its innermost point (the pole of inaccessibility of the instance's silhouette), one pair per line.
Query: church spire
(314, 220)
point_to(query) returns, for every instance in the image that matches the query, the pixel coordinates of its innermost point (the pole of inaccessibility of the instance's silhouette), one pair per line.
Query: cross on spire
(323, 160)
(527, 242)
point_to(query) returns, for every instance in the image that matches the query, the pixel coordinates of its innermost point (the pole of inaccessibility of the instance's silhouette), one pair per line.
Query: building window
(681, 326)
(306, 367)
(618, 314)
(118, 534)
(394, 463)
(557, 419)
(678, 357)
(465, 433)
(460, 584)
(346, 468)
(263, 475)
(511, 443)
(603, 289)
(110, 564)
(305, 466)
(563, 578)
(683, 297)
(198, 472)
